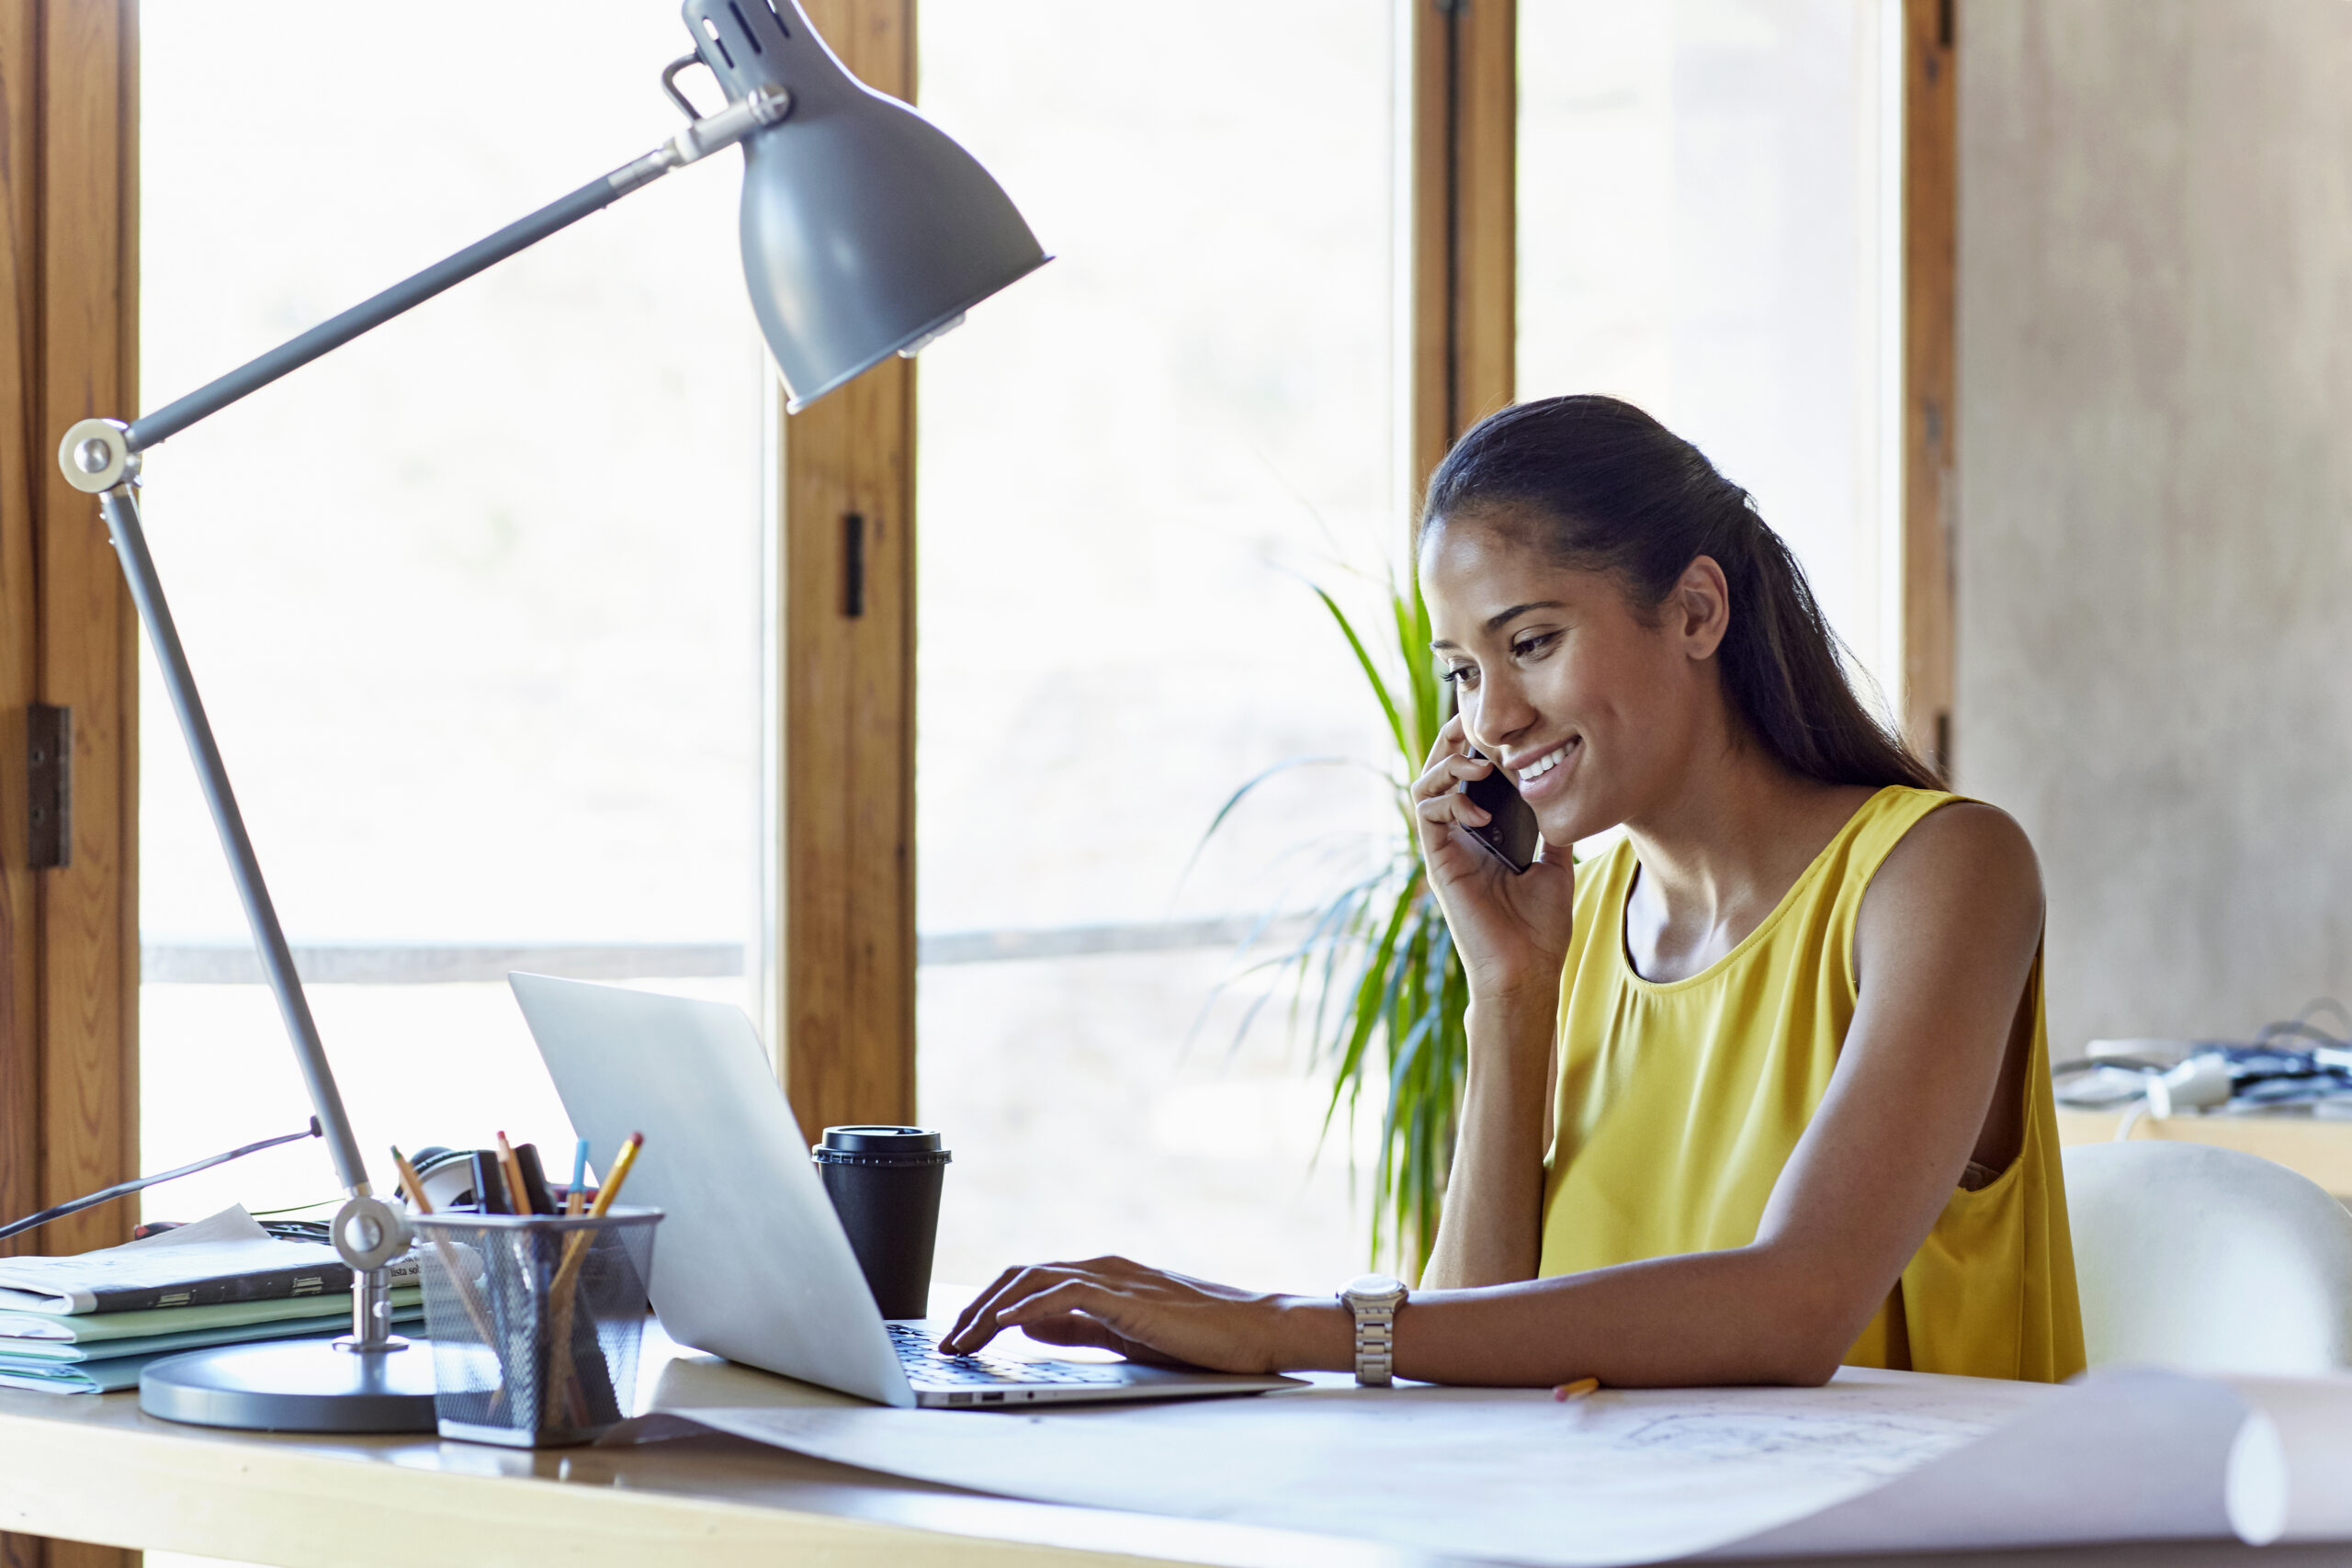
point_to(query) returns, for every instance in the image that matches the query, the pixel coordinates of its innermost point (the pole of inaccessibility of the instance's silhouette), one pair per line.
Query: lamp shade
(866, 229)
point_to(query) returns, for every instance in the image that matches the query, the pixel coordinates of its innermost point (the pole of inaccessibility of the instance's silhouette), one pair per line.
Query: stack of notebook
(87, 1323)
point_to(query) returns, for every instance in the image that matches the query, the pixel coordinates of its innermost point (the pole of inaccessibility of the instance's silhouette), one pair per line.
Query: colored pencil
(576, 1199)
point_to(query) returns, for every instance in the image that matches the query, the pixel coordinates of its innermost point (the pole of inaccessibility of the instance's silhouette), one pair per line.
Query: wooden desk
(2321, 1150)
(95, 1468)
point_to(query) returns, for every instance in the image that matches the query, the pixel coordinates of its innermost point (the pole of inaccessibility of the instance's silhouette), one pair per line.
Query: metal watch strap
(1375, 1346)
(1373, 1299)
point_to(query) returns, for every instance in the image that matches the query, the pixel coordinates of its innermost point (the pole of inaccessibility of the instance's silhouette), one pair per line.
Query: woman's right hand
(1511, 930)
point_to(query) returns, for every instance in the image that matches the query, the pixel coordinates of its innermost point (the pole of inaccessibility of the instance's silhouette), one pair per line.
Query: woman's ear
(1699, 609)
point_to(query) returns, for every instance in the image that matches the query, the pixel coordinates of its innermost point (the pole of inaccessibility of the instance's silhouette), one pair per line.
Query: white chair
(2207, 1260)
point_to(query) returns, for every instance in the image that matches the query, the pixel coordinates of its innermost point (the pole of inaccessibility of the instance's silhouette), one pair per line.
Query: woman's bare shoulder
(1965, 867)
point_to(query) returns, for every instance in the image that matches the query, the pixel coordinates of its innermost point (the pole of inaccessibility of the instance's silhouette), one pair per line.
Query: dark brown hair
(1611, 489)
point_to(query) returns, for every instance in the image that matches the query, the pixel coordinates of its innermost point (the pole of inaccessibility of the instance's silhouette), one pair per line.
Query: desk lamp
(865, 232)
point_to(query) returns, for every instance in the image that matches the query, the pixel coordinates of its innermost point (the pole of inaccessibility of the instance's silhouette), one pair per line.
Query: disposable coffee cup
(885, 1183)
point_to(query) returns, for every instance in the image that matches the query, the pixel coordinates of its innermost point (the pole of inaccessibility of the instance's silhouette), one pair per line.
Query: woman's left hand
(1146, 1315)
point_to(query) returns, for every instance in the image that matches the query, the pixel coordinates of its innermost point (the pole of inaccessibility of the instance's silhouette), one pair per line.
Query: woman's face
(1594, 711)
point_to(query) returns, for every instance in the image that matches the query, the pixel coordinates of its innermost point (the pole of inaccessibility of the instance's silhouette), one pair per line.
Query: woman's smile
(1543, 774)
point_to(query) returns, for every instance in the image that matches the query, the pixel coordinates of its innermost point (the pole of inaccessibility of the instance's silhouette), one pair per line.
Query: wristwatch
(1374, 1299)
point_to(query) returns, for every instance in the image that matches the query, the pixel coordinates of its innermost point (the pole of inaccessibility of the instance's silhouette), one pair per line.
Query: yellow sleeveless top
(1680, 1102)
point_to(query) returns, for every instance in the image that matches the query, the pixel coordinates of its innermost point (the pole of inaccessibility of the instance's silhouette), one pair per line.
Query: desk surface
(95, 1468)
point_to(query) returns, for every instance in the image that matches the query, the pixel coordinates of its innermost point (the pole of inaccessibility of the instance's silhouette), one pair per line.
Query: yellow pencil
(565, 1384)
(610, 1188)
(575, 1247)
(410, 1179)
(1576, 1390)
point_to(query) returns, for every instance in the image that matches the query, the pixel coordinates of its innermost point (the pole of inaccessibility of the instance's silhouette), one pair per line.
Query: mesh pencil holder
(534, 1321)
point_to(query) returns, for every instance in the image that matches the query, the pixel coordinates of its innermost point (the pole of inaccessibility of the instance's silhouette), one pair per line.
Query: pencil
(562, 1291)
(513, 1169)
(610, 1188)
(449, 1259)
(576, 1199)
(410, 1179)
(1576, 1390)
(575, 1247)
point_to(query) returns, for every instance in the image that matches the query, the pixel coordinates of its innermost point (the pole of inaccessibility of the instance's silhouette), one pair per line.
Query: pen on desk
(577, 1197)
(1576, 1390)
(514, 1172)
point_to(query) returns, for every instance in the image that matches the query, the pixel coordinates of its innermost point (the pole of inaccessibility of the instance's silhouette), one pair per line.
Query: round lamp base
(293, 1385)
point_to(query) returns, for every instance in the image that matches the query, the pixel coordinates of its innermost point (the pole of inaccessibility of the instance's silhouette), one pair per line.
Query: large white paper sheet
(1618, 1477)
(1876, 1461)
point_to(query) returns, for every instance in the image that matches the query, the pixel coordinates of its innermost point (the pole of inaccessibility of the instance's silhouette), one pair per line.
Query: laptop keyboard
(926, 1367)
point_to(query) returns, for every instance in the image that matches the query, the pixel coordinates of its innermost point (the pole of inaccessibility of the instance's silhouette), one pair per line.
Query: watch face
(1373, 1289)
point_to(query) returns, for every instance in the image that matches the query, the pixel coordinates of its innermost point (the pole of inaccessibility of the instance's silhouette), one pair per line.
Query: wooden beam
(1464, 162)
(69, 939)
(1486, 228)
(88, 633)
(1930, 293)
(846, 683)
(22, 471)
(1430, 373)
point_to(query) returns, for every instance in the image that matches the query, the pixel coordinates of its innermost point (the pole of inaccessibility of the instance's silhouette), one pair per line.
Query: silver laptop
(750, 1262)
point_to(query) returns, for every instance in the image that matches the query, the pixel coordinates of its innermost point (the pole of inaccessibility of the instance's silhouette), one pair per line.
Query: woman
(1760, 1091)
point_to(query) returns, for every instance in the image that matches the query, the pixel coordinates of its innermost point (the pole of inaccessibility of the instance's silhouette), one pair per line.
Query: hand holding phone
(1512, 932)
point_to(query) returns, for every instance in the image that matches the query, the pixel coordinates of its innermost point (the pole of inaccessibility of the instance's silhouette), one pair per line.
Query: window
(483, 660)
(1128, 467)
(473, 602)
(1707, 211)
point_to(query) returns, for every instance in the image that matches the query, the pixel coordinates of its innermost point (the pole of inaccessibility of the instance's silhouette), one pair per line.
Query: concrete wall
(2155, 518)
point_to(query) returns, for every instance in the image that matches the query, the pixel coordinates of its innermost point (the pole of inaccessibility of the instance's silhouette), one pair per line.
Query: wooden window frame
(1464, 289)
(69, 939)
(1930, 321)
(845, 844)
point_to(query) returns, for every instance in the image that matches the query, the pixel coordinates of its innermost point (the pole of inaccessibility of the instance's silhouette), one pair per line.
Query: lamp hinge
(49, 792)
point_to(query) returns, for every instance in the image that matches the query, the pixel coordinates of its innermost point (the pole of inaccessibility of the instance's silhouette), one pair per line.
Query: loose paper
(1875, 1462)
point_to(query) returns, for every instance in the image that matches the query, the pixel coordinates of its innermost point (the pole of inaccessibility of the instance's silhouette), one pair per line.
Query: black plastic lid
(881, 1145)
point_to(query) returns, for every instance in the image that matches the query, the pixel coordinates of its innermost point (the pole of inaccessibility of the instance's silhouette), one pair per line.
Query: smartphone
(1508, 833)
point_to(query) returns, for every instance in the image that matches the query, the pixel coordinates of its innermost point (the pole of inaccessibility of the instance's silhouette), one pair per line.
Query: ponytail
(1614, 490)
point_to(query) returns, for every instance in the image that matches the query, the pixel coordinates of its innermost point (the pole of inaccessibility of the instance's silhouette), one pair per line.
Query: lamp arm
(100, 456)
(739, 119)
(121, 508)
